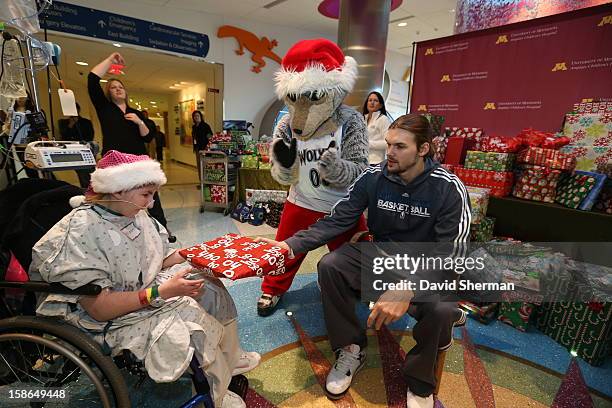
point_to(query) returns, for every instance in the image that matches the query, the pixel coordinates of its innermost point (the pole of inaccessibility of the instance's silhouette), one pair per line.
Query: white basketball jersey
(310, 191)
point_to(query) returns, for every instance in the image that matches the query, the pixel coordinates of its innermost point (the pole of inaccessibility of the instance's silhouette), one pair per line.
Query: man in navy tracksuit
(409, 198)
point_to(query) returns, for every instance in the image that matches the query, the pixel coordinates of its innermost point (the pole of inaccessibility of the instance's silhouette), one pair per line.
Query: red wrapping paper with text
(235, 257)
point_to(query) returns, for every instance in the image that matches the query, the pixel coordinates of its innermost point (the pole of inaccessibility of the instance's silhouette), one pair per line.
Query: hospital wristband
(149, 295)
(142, 297)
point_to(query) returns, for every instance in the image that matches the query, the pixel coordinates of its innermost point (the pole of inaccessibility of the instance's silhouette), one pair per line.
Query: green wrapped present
(573, 189)
(491, 161)
(583, 328)
(483, 231)
(516, 314)
(249, 162)
(206, 193)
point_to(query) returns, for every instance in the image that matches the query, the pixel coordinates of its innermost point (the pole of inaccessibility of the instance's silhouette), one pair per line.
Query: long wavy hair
(381, 100)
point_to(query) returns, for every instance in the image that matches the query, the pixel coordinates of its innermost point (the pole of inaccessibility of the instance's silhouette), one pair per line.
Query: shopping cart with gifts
(218, 175)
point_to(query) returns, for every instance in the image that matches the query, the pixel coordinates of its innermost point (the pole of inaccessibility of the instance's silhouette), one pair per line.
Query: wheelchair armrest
(41, 286)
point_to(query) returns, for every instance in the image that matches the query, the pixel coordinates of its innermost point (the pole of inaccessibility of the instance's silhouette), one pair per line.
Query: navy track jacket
(434, 207)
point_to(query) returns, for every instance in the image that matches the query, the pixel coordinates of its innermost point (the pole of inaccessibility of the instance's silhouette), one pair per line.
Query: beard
(400, 167)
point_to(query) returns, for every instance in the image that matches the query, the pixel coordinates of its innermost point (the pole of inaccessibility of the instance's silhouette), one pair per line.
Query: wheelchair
(60, 364)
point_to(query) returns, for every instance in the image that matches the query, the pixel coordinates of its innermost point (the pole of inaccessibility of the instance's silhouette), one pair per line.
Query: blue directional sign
(89, 22)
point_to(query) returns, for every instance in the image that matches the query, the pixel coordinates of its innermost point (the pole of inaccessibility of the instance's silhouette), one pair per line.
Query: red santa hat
(117, 172)
(315, 65)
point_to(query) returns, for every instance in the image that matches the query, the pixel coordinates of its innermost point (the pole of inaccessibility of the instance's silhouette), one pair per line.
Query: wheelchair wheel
(45, 352)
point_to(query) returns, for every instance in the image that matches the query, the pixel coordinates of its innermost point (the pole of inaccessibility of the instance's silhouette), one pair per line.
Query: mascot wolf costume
(319, 148)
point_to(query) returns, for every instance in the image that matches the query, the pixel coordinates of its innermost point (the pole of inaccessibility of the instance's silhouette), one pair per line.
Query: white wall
(247, 95)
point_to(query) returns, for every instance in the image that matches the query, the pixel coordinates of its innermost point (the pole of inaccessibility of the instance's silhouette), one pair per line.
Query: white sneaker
(231, 400)
(414, 401)
(247, 362)
(349, 361)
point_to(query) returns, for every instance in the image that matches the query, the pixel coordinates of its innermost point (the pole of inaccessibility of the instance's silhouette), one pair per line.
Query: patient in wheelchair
(147, 304)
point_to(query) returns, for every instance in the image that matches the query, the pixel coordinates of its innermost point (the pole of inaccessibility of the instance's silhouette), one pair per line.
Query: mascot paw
(329, 162)
(284, 154)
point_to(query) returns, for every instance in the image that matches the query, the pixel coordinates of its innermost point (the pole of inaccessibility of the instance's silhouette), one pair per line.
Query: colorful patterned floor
(492, 366)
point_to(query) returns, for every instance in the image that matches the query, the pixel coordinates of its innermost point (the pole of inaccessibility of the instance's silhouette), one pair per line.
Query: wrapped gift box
(482, 232)
(605, 168)
(516, 314)
(262, 196)
(536, 183)
(580, 190)
(592, 107)
(479, 200)
(589, 157)
(604, 201)
(489, 161)
(589, 129)
(455, 151)
(498, 182)
(474, 136)
(439, 147)
(235, 257)
(501, 144)
(537, 138)
(578, 313)
(249, 162)
(483, 312)
(585, 328)
(550, 158)
(221, 137)
(573, 189)
(218, 193)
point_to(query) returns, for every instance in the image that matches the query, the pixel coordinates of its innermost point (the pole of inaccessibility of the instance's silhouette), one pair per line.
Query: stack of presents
(261, 206)
(572, 168)
(255, 155)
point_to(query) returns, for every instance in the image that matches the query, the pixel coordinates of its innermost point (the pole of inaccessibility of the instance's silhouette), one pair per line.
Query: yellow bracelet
(149, 294)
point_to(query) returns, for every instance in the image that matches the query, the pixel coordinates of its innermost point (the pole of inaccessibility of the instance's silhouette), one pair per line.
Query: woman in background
(124, 128)
(200, 132)
(377, 121)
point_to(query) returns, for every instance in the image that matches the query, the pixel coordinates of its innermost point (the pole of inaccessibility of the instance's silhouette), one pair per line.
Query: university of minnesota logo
(429, 51)
(605, 20)
(489, 105)
(422, 108)
(445, 78)
(559, 66)
(502, 39)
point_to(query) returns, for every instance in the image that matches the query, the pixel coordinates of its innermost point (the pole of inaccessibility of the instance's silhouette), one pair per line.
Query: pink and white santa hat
(117, 172)
(315, 65)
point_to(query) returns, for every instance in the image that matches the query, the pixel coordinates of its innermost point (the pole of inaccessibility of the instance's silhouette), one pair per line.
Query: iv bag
(22, 14)
(13, 80)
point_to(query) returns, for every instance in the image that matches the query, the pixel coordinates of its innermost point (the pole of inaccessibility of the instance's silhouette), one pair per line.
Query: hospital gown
(94, 245)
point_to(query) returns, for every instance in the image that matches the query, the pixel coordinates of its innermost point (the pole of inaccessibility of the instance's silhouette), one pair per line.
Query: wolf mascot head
(314, 79)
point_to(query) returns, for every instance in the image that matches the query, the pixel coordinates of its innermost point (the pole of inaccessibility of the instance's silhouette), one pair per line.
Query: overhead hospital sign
(85, 21)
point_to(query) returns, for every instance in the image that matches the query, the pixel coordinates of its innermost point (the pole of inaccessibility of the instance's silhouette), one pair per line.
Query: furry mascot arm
(283, 154)
(340, 170)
